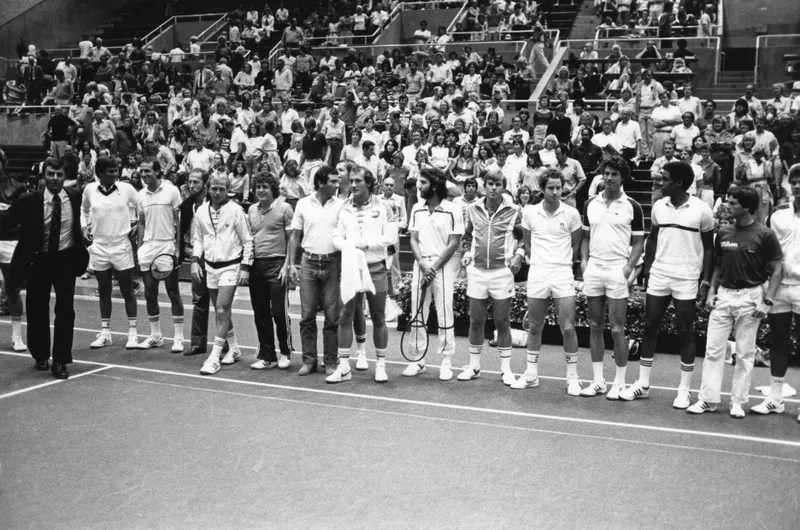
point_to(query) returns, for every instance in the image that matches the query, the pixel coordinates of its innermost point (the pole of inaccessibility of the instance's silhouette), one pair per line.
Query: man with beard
(436, 228)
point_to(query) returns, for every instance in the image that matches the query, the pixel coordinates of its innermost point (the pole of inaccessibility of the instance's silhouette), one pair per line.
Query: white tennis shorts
(605, 279)
(558, 283)
(787, 300)
(660, 285)
(104, 256)
(7, 251)
(150, 249)
(497, 284)
(224, 277)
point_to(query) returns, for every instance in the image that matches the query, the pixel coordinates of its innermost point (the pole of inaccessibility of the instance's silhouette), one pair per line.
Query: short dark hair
(154, 163)
(104, 163)
(322, 174)
(270, 181)
(680, 171)
(747, 197)
(550, 174)
(54, 163)
(618, 163)
(470, 181)
(367, 144)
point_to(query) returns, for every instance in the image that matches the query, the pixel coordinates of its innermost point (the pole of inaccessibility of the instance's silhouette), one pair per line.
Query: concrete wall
(436, 17)
(771, 67)
(52, 22)
(392, 33)
(179, 33)
(741, 18)
(23, 130)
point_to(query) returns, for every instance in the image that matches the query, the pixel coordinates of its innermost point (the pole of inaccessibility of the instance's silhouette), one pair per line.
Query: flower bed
(634, 325)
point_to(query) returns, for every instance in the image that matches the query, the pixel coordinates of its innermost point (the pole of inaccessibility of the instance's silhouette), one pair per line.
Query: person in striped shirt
(679, 253)
(108, 220)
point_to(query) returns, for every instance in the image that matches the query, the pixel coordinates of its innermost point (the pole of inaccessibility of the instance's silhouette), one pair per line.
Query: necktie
(55, 226)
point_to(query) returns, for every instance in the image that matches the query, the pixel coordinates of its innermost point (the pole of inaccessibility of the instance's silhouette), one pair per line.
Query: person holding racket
(159, 203)
(108, 218)
(492, 261)
(368, 224)
(436, 228)
(222, 238)
(552, 232)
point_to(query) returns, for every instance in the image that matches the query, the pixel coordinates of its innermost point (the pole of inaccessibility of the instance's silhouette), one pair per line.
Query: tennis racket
(408, 340)
(163, 266)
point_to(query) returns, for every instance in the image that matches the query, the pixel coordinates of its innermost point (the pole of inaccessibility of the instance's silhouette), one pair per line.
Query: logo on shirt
(733, 245)
(375, 214)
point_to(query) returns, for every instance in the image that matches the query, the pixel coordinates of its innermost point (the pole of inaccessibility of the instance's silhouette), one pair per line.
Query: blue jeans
(319, 277)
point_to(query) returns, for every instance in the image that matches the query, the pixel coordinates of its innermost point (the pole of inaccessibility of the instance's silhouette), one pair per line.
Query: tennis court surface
(140, 439)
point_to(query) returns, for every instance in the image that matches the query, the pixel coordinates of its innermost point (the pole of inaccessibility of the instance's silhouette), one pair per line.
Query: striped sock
(533, 363)
(572, 364)
(505, 359)
(219, 343)
(177, 321)
(233, 344)
(381, 355)
(686, 375)
(155, 326)
(361, 344)
(344, 358)
(645, 367)
(16, 327)
(475, 356)
(105, 324)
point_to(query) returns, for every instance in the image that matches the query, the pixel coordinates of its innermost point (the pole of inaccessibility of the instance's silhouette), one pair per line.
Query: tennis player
(492, 261)
(368, 224)
(679, 252)
(159, 203)
(222, 238)
(613, 229)
(10, 191)
(786, 304)
(108, 218)
(552, 234)
(436, 228)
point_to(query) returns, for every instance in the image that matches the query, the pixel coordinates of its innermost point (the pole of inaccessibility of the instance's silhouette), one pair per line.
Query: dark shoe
(195, 350)
(59, 371)
(42, 365)
(307, 369)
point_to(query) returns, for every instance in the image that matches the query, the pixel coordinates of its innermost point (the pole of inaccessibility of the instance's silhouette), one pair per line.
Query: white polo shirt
(317, 223)
(786, 225)
(679, 249)
(158, 208)
(601, 140)
(551, 235)
(630, 134)
(611, 226)
(109, 213)
(435, 228)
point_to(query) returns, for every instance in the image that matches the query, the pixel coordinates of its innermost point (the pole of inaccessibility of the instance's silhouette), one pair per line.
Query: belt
(322, 257)
(221, 264)
(273, 258)
(739, 285)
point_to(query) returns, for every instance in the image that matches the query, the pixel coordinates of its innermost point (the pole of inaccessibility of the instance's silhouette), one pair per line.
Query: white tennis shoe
(233, 355)
(151, 342)
(103, 339)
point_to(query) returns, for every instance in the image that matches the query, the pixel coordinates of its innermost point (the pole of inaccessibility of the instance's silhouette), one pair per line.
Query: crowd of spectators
(661, 18)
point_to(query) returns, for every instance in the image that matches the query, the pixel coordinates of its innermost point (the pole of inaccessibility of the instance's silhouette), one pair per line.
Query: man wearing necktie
(49, 255)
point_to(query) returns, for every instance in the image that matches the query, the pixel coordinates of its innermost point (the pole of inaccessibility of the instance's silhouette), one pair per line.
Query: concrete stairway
(586, 22)
(730, 85)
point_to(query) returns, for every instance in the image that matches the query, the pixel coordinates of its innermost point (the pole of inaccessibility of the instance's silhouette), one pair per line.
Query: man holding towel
(364, 232)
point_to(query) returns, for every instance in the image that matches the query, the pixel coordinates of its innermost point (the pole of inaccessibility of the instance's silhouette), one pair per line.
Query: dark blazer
(187, 216)
(28, 213)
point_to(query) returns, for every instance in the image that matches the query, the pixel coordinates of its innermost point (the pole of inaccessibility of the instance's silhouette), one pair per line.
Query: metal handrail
(220, 23)
(756, 68)
(456, 18)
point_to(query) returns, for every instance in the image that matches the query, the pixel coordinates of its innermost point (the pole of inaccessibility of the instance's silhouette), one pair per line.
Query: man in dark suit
(50, 254)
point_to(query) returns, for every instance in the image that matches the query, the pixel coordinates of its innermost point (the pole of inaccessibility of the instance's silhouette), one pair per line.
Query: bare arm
(637, 246)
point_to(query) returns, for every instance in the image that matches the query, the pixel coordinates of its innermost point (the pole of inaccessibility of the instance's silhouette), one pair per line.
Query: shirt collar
(48, 195)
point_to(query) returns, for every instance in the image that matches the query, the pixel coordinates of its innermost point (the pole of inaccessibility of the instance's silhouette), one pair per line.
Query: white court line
(50, 383)
(433, 404)
(404, 363)
(452, 420)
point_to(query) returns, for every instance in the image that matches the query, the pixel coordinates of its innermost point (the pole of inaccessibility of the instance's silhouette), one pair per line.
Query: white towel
(355, 272)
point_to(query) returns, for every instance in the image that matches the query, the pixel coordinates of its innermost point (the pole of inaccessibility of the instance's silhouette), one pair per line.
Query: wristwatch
(768, 302)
